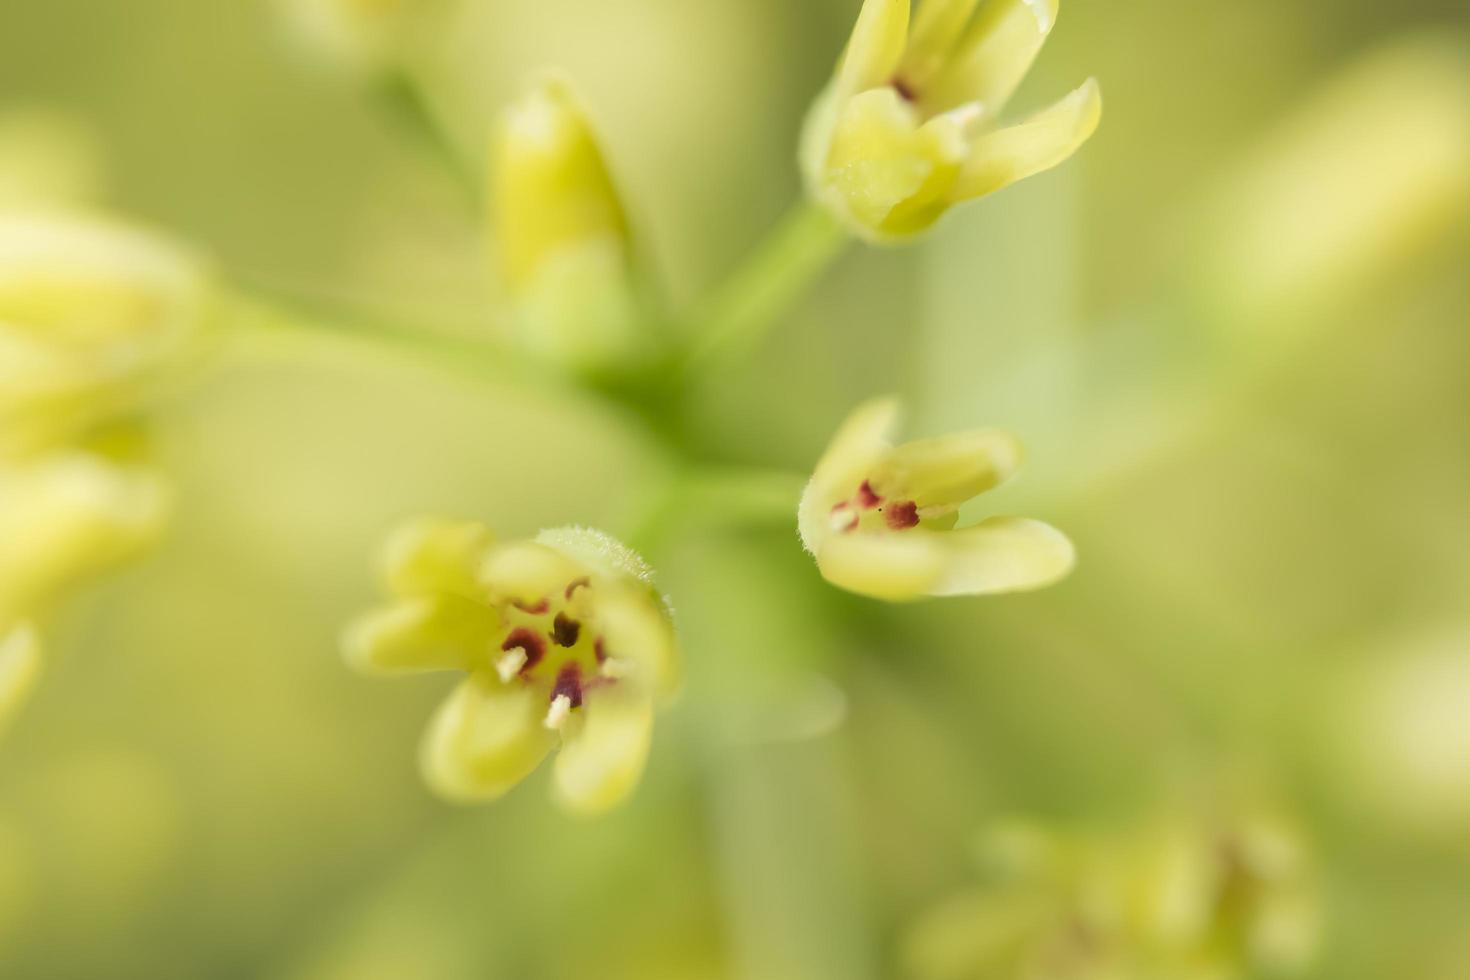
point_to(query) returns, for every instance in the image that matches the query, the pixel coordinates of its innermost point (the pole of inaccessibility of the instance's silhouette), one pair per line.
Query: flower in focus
(1190, 896)
(93, 316)
(880, 519)
(908, 126)
(564, 640)
(562, 239)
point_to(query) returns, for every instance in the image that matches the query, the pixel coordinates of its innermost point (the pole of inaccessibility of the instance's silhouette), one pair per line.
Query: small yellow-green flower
(908, 127)
(880, 519)
(565, 642)
(92, 317)
(561, 237)
(67, 515)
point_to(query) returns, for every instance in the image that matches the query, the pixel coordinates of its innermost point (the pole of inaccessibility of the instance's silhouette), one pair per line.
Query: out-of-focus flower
(1192, 896)
(67, 515)
(908, 127)
(880, 519)
(20, 665)
(93, 316)
(564, 639)
(562, 239)
(47, 158)
(361, 36)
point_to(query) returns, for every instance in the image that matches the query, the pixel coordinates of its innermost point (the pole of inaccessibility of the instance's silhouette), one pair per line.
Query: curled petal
(20, 665)
(859, 444)
(884, 565)
(1002, 554)
(603, 754)
(429, 555)
(527, 571)
(948, 469)
(994, 55)
(485, 739)
(876, 46)
(1002, 157)
(421, 633)
(636, 631)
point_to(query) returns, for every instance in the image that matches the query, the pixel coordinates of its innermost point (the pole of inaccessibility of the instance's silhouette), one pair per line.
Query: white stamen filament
(556, 715)
(616, 668)
(510, 665)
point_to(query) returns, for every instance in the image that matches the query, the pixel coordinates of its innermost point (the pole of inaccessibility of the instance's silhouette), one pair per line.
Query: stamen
(866, 498)
(569, 685)
(565, 630)
(901, 516)
(534, 608)
(511, 664)
(576, 584)
(556, 715)
(598, 650)
(528, 642)
(616, 668)
(843, 518)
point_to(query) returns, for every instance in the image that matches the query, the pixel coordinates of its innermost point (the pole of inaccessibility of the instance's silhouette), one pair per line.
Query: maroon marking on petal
(598, 650)
(849, 516)
(576, 584)
(535, 609)
(902, 515)
(569, 683)
(866, 498)
(529, 641)
(565, 630)
(904, 89)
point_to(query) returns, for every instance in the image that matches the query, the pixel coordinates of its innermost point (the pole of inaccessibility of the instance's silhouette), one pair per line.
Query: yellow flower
(908, 127)
(880, 520)
(564, 640)
(68, 515)
(92, 317)
(562, 238)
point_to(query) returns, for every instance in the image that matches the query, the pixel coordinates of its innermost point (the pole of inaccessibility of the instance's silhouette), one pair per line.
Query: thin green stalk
(403, 99)
(750, 304)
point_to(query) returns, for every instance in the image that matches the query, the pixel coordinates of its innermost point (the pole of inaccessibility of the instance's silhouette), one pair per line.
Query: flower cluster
(564, 640)
(93, 318)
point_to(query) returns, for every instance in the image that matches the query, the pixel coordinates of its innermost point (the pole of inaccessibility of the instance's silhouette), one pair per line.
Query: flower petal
(858, 445)
(599, 551)
(430, 555)
(947, 469)
(527, 571)
(485, 739)
(421, 633)
(1002, 554)
(884, 565)
(936, 29)
(1046, 139)
(877, 158)
(636, 630)
(994, 55)
(875, 48)
(20, 665)
(603, 755)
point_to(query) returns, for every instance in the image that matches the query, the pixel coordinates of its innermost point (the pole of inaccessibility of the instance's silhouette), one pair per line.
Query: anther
(866, 498)
(578, 583)
(565, 630)
(902, 515)
(843, 518)
(556, 715)
(529, 642)
(511, 664)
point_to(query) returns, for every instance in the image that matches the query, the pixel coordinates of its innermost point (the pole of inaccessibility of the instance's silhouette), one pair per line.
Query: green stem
(740, 314)
(404, 100)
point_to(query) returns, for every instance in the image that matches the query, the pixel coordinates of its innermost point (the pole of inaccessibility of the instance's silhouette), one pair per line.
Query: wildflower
(562, 238)
(908, 126)
(563, 638)
(92, 317)
(67, 515)
(880, 520)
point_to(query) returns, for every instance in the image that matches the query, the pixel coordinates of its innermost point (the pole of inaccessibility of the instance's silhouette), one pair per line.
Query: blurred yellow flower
(20, 665)
(92, 317)
(561, 236)
(880, 519)
(564, 639)
(359, 35)
(908, 126)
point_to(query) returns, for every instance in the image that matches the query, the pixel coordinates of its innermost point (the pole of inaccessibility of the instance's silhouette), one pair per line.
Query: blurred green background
(1232, 331)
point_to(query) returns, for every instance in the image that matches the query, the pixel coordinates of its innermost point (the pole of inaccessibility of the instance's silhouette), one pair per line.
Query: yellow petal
(485, 739)
(876, 159)
(875, 48)
(637, 631)
(1046, 139)
(527, 572)
(600, 552)
(20, 666)
(429, 555)
(936, 30)
(884, 565)
(1002, 554)
(552, 187)
(994, 55)
(858, 445)
(604, 751)
(422, 633)
(947, 469)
